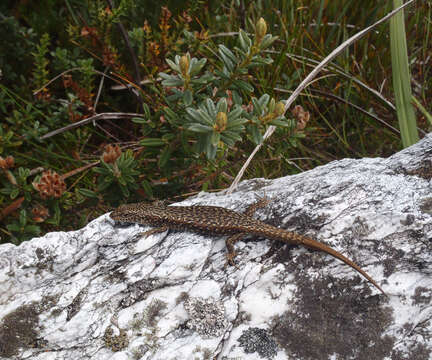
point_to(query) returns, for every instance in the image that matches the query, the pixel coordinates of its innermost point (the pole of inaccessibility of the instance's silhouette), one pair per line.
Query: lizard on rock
(219, 220)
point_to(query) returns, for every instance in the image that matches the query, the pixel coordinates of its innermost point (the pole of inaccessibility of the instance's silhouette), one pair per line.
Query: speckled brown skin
(218, 220)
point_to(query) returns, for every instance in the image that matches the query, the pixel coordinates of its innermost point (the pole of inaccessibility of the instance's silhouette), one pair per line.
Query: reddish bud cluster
(7, 163)
(111, 153)
(51, 184)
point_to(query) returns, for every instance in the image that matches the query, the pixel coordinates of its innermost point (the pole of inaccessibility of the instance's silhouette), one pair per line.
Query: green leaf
(146, 111)
(256, 135)
(243, 85)
(204, 115)
(232, 135)
(245, 41)
(164, 157)
(222, 74)
(211, 108)
(13, 227)
(263, 100)
(14, 193)
(138, 120)
(257, 107)
(229, 65)
(125, 191)
(237, 99)
(211, 151)
(23, 217)
(200, 128)
(88, 193)
(267, 41)
(187, 98)
(32, 229)
(279, 122)
(215, 137)
(171, 115)
(222, 105)
(147, 188)
(197, 115)
(173, 82)
(197, 66)
(236, 122)
(152, 142)
(228, 53)
(173, 65)
(235, 113)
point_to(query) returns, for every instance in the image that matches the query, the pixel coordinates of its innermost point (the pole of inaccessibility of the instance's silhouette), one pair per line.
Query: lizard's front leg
(257, 205)
(229, 242)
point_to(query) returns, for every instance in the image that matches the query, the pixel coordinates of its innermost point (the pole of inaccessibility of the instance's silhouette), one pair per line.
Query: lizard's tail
(294, 238)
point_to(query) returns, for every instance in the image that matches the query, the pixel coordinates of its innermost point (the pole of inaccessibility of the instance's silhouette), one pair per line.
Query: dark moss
(333, 316)
(256, 340)
(19, 329)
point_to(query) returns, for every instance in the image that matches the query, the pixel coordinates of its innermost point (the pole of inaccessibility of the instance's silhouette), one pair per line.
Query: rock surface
(104, 292)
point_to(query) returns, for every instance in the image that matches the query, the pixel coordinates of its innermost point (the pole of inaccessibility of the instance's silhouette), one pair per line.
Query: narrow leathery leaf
(229, 65)
(243, 43)
(222, 105)
(164, 157)
(197, 116)
(13, 227)
(238, 129)
(167, 76)
(232, 135)
(173, 65)
(257, 137)
(237, 99)
(222, 74)
(267, 41)
(204, 115)
(211, 151)
(263, 100)
(138, 120)
(197, 66)
(14, 193)
(211, 108)
(173, 82)
(257, 106)
(227, 140)
(187, 98)
(245, 39)
(147, 188)
(152, 142)
(279, 122)
(227, 73)
(88, 193)
(215, 137)
(200, 128)
(146, 110)
(243, 85)
(125, 191)
(235, 113)
(228, 53)
(236, 122)
(171, 115)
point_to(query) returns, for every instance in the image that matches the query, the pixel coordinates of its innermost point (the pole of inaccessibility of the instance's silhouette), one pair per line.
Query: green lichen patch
(207, 316)
(115, 342)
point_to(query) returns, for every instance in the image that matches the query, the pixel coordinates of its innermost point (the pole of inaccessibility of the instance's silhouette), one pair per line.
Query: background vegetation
(130, 125)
